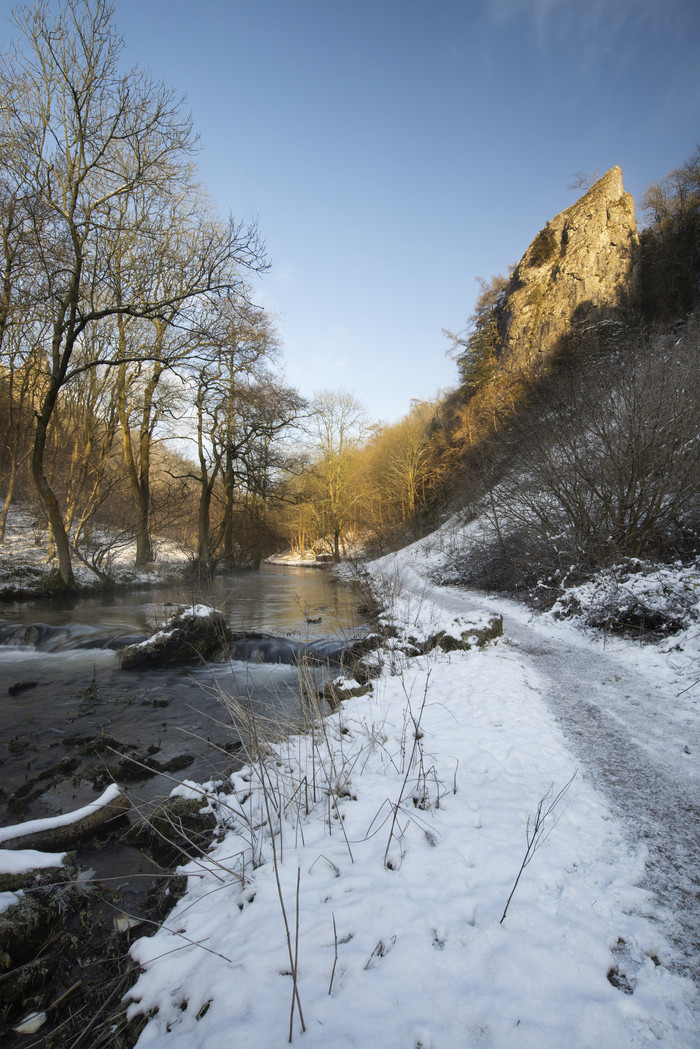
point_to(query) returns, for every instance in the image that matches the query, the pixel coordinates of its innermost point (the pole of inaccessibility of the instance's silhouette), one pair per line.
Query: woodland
(142, 391)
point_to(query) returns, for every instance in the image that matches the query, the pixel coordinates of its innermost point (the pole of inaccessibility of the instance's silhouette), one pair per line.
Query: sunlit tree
(338, 426)
(88, 144)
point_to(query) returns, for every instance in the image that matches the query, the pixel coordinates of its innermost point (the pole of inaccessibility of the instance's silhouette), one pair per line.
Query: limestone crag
(583, 267)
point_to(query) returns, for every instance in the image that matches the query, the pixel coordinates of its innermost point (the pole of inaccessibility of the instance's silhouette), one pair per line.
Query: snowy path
(625, 730)
(633, 723)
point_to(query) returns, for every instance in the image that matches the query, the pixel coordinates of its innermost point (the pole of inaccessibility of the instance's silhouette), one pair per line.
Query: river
(72, 721)
(62, 686)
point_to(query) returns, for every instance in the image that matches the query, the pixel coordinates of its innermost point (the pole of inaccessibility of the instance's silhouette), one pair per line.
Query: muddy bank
(65, 942)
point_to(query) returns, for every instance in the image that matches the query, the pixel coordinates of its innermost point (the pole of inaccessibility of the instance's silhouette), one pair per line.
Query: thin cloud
(596, 29)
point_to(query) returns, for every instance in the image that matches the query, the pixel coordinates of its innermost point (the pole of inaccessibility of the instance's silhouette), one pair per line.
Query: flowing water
(71, 719)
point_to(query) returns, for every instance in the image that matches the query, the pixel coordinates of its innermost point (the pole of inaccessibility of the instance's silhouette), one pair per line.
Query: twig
(103, 1008)
(335, 959)
(536, 835)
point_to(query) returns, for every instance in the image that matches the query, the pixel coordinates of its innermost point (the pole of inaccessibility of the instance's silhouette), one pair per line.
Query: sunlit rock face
(581, 269)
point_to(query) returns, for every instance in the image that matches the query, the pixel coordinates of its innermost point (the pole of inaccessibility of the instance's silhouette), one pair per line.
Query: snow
(25, 568)
(9, 899)
(393, 836)
(199, 611)
(298, 560)
(17, 861)
(63, 820)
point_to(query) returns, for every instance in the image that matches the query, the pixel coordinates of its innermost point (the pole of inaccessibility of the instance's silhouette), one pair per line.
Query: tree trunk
(229, 492)
(47, 495)
(67, 831)
(204, 551)
(144, 548)
(8, 497)
(139, 481)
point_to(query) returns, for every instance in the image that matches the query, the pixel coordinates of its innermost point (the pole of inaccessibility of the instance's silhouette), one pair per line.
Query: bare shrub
(605, 462)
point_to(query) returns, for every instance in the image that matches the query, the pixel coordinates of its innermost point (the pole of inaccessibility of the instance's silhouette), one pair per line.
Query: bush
(605, 462)
(636, 597)
(543, 248)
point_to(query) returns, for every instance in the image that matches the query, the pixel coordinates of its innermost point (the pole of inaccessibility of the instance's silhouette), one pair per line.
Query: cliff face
(583, 267)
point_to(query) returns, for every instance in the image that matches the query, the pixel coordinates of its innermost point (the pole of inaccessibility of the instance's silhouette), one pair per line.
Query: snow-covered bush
(636, 596)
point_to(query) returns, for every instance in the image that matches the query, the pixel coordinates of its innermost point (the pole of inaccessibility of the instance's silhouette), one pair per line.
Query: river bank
(73, 721)
(26, 568)
(434, 864)
(383, 855)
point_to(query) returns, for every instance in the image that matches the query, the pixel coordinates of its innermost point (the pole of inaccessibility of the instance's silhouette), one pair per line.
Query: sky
(394, 151)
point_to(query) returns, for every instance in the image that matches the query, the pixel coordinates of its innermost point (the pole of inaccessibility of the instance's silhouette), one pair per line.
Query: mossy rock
(178, 823)
(334, 692)
(184, 638)
(29, 879)
(24, 925)
(473, 637)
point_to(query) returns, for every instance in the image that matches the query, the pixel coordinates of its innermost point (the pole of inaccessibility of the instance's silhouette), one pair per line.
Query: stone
(334, 692)
(191, 635)
(473, 637)
(582, 269)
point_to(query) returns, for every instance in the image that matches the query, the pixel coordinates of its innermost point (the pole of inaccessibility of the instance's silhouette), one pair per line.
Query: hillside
(573, 436)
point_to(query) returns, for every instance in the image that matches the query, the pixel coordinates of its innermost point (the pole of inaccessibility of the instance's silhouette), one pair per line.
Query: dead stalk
(335, 956)
(537, 831)
(417, 735)
(295, 967)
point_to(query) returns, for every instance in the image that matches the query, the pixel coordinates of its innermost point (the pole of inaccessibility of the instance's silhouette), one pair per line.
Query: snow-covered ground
(25, 567)
(364, 869)
(295, 560)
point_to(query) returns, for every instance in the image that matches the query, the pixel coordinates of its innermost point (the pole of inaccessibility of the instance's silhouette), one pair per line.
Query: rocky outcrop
(581, 269)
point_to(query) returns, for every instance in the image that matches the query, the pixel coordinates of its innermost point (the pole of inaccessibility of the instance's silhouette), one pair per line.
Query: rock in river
(191, 635)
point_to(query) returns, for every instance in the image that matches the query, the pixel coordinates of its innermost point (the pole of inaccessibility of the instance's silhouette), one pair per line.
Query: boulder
(334, 692)
(191, 635)
(473, 637)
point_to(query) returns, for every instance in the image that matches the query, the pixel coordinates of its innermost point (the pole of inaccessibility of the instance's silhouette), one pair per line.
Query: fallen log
(70, 828)
(21, 868)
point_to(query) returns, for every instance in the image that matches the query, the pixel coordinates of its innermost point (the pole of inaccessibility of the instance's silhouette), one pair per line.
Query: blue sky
(393, 150)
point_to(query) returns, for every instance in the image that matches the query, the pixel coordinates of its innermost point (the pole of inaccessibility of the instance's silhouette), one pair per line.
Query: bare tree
(605, 462)
(339, 426)
(242, 411)
(93, 150)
